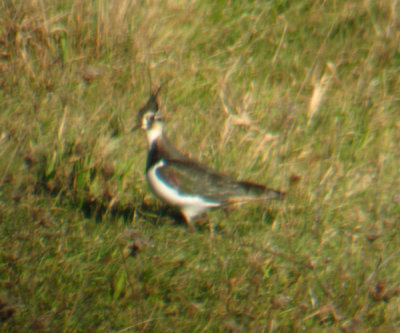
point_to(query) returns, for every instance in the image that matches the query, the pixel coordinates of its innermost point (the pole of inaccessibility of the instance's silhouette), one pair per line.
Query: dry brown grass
(301, 96)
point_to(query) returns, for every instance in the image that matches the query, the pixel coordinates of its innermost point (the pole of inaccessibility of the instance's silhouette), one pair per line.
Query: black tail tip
(278, 195)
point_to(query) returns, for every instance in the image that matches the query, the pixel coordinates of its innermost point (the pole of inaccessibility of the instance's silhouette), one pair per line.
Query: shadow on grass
(76, 181)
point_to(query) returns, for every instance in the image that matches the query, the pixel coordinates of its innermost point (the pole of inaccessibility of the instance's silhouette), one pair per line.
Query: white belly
(190, 205)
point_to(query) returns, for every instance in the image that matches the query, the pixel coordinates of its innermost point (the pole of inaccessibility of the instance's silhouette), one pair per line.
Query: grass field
(301, 95)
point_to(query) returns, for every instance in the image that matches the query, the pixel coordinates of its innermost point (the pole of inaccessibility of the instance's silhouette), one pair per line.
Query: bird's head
(149, 119)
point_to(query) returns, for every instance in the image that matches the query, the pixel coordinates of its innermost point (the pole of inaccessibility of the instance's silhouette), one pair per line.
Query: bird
(184, 183)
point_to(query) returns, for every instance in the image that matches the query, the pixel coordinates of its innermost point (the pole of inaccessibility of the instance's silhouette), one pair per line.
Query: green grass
(303, 96)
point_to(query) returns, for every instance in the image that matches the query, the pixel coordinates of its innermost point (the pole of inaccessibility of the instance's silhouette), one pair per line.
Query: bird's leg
(190, 225)
(211, 230)
(226, 210)
(204, 222)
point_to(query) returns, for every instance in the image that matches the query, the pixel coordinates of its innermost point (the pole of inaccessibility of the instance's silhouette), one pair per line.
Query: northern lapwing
(184, 183)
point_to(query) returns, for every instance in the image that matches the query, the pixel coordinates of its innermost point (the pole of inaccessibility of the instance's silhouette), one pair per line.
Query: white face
(152, 124)
(148, 120)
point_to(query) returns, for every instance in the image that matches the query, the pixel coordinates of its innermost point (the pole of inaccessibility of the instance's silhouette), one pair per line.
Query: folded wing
(191, 178)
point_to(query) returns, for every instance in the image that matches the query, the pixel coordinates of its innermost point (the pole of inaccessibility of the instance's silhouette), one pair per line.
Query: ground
(302, 96)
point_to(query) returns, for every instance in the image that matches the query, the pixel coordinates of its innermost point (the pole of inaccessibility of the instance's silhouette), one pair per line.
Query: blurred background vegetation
(301, 95)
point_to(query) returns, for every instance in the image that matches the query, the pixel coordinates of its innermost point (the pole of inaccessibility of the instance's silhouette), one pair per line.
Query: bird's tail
(260, 192)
